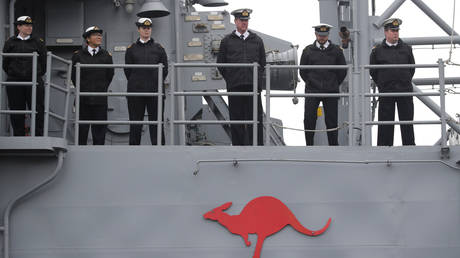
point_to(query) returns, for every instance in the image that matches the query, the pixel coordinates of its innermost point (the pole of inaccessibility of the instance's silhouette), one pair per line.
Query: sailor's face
(321, 39)
(25, 29)
(392, 35)
(95, 39)
(241, 25)
(145, 32)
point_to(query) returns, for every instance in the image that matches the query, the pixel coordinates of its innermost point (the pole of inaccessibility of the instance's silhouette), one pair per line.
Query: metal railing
(254, 94)
(33, 83)
(175, 91)
(79, 94)
(65, 89)
(348, 95)
(442, 94)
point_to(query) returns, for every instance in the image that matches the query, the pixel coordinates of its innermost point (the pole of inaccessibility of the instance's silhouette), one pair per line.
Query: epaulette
(130, 46)
(76, 51)
(41, 39)
(307, 48)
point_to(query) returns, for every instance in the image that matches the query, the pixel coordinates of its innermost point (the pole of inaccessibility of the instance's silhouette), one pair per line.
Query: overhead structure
(153, 9)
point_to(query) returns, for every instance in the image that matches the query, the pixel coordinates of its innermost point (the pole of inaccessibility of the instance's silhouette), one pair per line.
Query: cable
(449, 61)
(312, 131)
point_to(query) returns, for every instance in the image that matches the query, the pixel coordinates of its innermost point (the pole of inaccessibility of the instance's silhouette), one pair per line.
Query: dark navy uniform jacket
(394, 79)
(21, 67)
(236, 50)
(93, 79)
(145, 80)
(322, 80)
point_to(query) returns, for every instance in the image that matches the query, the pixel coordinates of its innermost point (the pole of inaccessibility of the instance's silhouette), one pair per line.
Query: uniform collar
(245, 34)
(21, 38)
(145, 42)
(391, 45)
(326, 45)
(90, 50)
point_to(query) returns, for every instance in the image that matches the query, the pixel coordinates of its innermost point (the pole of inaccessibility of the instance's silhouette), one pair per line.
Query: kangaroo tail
(297, 226)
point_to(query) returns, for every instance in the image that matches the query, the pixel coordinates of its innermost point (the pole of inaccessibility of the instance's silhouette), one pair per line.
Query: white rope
(449, 61)
(311, 131)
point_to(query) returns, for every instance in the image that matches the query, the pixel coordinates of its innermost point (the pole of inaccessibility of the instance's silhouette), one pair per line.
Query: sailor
(242, 46)
(93, 80)
(393, 50)
(19, 69)
(144, 51)
(322, 52)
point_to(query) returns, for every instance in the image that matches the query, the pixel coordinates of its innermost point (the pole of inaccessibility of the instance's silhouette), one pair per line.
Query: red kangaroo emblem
(263, 216)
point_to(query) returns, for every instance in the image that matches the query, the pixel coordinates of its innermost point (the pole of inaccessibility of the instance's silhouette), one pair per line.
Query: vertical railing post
(180, 109)
(1, 89)
(33, 115)
(67, 100)
(254, 104)
(363, 100)
(267, 105)
(171, 102)
(47, 94)
(160, 104)
(350, 105)
(77, 101)
(442, 89)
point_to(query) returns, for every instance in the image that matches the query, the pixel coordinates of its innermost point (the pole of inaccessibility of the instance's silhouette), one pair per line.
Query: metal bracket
(388, 163)
(445, 153)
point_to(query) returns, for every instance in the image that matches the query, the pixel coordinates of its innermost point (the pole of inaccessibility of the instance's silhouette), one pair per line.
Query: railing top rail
(18, 54)
(310, 66)
(400, 66)
(120, 65)
(215, 64)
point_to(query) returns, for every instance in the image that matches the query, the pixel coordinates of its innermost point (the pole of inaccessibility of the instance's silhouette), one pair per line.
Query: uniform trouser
(136, 109)
(387, 113)
(92, 112)
(20, 98)
(330, 114)
(241, 108)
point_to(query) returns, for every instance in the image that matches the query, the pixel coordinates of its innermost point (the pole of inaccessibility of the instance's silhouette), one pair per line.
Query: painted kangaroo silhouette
(263, 216)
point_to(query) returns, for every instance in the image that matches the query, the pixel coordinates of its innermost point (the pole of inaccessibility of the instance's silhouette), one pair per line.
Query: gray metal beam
(435, 81)
(436, 109)
(362, 24)
(426, 40)
(388, 12)
(438, 20)
(11, 17)
(3, 119)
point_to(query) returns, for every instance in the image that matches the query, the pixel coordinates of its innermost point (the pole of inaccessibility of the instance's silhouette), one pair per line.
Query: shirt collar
(90, 50)
(21, 38)
(325, 44)
(391, 45)
(142, 41)
(245, 34)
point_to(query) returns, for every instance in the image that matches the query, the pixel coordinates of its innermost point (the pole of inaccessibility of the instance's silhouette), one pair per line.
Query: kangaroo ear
(225, 206)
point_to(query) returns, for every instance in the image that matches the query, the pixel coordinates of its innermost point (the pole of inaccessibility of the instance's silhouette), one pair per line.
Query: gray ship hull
(120, 201)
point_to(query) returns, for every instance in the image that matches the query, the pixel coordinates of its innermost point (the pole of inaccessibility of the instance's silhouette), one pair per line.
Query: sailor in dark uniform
(19, 69)
(93, 80)
(322, 52)
(394, 51)
(242, 46)
(144, 51)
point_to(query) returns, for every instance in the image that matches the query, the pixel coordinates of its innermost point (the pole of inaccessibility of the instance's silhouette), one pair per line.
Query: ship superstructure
(63, 200)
